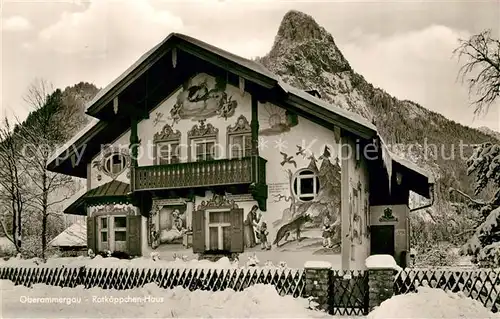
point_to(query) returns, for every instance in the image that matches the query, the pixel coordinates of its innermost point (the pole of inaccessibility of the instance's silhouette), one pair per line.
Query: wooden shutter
(199, 231)
(91, 234)
(134, 242)
(237, 230)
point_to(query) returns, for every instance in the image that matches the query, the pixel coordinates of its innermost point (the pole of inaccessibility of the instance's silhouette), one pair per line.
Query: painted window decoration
(203, 97)
(219, 230)
(113, 162)
(203, 142)
(306, 185)
(166, 144)
(239, 138)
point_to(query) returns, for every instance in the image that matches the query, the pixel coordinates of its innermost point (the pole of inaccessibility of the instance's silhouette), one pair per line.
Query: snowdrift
(258, 301)
(431, 303)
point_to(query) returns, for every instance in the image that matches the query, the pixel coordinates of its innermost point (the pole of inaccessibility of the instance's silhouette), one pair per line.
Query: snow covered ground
(258, 301)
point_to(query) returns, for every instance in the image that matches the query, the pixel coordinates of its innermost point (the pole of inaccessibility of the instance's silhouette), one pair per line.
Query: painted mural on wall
(113, 209)
(310, 222)
(167, 223)
(202, 98)
(274, 120)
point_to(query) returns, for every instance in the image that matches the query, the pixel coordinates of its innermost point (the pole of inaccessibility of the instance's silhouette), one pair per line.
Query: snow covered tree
(482, 71)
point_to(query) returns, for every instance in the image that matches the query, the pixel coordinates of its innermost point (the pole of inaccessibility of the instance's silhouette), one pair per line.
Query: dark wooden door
(382, 240)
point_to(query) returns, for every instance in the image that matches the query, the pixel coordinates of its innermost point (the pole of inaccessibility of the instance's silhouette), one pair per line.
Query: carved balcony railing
(247, 170)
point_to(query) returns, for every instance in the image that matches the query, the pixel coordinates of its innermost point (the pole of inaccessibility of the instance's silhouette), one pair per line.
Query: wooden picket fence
(286, 281)
(481, 284)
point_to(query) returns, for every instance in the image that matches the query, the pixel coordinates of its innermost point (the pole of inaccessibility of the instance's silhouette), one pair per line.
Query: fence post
(381, 274)
(317, 275)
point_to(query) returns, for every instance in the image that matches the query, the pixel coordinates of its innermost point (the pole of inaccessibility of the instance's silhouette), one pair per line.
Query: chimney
(314, 93)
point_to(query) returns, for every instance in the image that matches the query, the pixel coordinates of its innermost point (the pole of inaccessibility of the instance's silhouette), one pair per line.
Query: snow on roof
(74, 235)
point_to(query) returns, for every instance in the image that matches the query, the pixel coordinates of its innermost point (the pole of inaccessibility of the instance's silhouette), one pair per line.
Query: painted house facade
(198, 147)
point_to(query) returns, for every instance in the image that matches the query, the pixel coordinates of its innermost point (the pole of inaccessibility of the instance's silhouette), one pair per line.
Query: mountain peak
(297, 26)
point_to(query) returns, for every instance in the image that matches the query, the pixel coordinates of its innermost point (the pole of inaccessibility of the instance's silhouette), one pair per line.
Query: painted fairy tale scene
(312, 219)
(203, 97)
(167, 224)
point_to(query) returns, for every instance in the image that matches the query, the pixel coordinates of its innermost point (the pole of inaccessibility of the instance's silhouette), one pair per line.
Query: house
(72, 241)
(194, 145)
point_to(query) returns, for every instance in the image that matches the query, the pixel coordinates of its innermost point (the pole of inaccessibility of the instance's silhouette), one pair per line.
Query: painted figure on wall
(263, 233)
(172, 225)
(251, 225)
(314, 211)
(202, 98)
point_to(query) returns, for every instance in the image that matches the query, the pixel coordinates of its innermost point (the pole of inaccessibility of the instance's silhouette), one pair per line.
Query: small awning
(109, 193)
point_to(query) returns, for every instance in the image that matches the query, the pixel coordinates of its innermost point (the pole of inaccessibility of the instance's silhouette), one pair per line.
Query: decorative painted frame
(201, 131)
(158, 204)
(217, 202)
(241, 127)
(165, 135)
(296, 176)
(108, 151)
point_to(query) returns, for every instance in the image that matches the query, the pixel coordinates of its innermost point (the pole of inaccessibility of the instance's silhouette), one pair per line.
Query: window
(115, 164)
(219, 230)
(120, 228)
(306, 185)
(240, 145)
(204, 150)
(103, 229)
(167, 153)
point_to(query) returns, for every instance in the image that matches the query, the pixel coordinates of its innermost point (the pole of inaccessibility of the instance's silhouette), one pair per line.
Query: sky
(403, 47)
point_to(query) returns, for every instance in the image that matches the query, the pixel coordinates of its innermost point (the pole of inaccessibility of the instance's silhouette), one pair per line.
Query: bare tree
(481, 69)
(12, 184)
(42, 132)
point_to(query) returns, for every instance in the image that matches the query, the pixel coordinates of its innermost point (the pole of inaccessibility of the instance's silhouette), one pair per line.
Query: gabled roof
(253, 71)
(73, 236)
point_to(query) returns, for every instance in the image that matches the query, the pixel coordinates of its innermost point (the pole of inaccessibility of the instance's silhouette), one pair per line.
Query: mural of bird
(287, 159)
(301, 151)
(326, 153)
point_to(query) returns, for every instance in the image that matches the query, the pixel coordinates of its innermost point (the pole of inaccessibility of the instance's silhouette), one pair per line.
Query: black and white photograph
(249, 159)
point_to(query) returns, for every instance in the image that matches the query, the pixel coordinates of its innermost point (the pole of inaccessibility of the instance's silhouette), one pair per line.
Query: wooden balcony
(247, 170)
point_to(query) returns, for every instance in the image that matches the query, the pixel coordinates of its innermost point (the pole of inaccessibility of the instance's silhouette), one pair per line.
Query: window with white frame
(306, 185)
(120, 228)
(115, 164)
(204, 149)
(167, 152)
(218, 235)
(103, 231)
(240, 145)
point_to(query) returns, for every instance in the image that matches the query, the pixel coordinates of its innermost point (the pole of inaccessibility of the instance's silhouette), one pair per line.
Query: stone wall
(318, 282)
